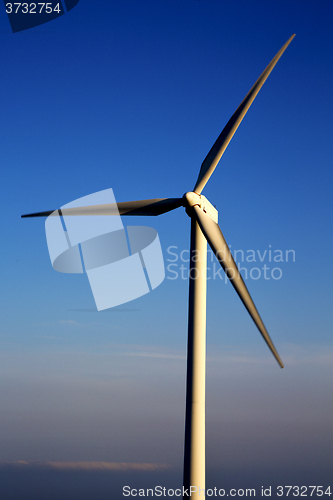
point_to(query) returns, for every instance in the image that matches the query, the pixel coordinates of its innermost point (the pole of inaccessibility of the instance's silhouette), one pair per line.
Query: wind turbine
(204, 228)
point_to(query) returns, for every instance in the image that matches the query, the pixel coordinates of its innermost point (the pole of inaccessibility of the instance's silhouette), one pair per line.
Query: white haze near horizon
(110, 406)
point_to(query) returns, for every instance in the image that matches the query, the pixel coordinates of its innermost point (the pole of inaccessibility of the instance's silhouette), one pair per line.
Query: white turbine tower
(204, 228)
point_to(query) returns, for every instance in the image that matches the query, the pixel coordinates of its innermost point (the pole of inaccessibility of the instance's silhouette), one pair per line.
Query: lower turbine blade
(220, 248)
(156, 206)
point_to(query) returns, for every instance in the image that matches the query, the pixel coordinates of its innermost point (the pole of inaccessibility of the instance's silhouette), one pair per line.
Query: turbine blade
(209, 164)
(156, 206)
(220, 248)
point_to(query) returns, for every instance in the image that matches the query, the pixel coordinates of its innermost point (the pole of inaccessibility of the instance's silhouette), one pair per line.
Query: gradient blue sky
(131, 95)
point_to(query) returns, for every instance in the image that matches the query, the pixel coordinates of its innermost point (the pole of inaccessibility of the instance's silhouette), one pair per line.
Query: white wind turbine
(204, 228)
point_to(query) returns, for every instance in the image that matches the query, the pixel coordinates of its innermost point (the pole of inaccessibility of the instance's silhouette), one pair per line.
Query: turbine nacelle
(192, 199)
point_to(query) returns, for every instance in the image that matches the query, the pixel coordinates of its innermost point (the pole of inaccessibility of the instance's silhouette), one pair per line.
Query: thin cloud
(88, 325)
(49, 337)
(154, 355)
(88, 466)
(314, 354)
(293, 354)
(118, 466)
(70, 322)
(112, 310)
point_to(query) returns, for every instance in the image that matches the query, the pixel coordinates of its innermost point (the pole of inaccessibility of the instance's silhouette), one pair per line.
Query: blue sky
(131, 96)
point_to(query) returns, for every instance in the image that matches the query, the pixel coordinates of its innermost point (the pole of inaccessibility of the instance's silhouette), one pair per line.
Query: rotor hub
(192, 199)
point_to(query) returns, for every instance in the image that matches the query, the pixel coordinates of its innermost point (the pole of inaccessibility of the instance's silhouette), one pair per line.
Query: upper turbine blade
(219, 246)
(221, 143)
(156, 206)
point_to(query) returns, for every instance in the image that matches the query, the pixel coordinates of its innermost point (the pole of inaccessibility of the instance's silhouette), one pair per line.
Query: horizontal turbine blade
(156, 206)
(209, 164)
(220, 248)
